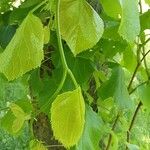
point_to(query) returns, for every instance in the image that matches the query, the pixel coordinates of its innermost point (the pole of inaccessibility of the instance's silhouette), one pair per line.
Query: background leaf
(114, 11)
(130, 23)
(115, 87)
(92, 131)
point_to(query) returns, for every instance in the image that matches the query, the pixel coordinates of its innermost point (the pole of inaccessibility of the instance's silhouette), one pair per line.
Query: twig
(144, 43)
(138, 86)
(132, 121)
(113, 128)
(136, 69)
(54, 146)
(2, 109)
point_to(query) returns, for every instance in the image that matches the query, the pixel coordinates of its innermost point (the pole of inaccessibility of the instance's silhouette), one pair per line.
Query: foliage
(74, 74)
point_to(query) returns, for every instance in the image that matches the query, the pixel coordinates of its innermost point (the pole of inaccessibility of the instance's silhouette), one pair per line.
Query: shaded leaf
(132, 146)
(14, 119)
(92, 131)
(36, 145)
(145, 20)
(115, 87)
(129, 59)
(112, 8)
(144, 95)
(6, 34)
(114, 143)
(17, 125)
(110, 47)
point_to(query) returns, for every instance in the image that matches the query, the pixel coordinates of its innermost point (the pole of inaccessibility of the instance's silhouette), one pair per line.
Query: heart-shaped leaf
(67, 117)
(25, 50)
(80, 25)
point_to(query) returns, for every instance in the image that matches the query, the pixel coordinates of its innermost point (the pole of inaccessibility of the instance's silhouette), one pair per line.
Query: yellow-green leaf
(17, 125)
(67, 117)
(25, 50)
(36, 145)
(17, 111)
(46, 34)
(81, 27)
(20, 115)
(112, 8)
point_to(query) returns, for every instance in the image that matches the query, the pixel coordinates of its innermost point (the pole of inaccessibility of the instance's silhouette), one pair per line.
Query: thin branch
(2, 109)
(145, 64)
(54, 146)
(113, 128)
(144, 43)
(136, 69)
(133, 90)
(133, 120)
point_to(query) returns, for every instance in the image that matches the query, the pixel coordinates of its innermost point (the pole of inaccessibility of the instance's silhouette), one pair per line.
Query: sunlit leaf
(36, 145)
(67, 117)
(80, 25)
(17, 111)
(114, 143)
(111, 7)
(24, 51)
(132, 146)
(46, 34)
(130, 23)
(17, 125)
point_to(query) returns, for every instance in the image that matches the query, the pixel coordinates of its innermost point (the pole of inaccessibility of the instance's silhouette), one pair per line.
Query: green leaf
(112, 8)
(129, 59)
(17, 125)
(25, 51)
(115, 87)
(144, 95)
(36, 145)
(46, 34)
(145, 20)
(18, 15)
(114, 144)
(67, 117)
(17, 111)
(6, 34)
(130, 23)
(7, 122)
(14, 119)
(82, 72)
(20, 117)
(5, 5)
(111, 31)
(110, 47)
(80, 25)
(132, 146)
(92, 132)
(15, 90)
(148, 2)
(30, 3)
